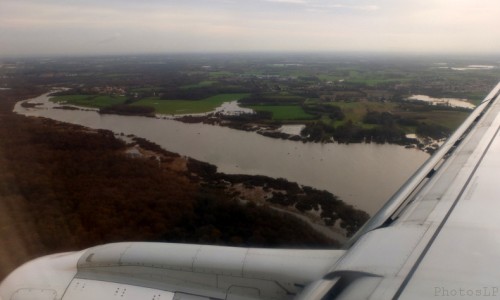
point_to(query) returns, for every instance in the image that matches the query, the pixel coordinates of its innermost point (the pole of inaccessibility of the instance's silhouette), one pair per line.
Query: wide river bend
(364, 175)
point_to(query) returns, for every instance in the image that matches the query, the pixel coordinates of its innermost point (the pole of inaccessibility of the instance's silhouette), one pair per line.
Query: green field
(97, 101)
(448, 119)
(198, 85)
(284, 112)
(219, 74)
(372, 82)
(146, 89)
(328, 77)
(355, 111)
(174, 107)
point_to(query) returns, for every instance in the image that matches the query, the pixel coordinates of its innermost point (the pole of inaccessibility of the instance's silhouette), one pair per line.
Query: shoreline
(207, 173)
(309, 164)
(426, 144)
(66, 187)
(262, 191)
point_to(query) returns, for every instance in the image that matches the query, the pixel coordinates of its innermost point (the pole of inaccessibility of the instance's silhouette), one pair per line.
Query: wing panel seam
(445, 219)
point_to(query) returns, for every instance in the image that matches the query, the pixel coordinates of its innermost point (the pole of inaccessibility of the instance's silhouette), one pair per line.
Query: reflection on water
(230, 108)
(292, 129)
(474, 67)
(233, 108)
(364, 175)
(467, 68)
(452, 102)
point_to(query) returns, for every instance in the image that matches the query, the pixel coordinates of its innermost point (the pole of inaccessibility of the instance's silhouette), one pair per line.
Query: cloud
(109, 39)
(325, 5)
(354, 7)
(77, 26)
(288, 1)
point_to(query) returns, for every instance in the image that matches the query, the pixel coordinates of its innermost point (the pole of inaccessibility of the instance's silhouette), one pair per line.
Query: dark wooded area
(65, 187)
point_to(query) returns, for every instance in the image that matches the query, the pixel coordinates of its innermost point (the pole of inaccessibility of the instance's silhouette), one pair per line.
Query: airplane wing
(438, 236)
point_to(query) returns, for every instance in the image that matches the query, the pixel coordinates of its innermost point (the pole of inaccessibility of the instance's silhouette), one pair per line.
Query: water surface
(364, 175)
(452, 102)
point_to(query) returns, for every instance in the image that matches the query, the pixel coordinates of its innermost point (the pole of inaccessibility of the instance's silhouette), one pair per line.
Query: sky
(94, 27)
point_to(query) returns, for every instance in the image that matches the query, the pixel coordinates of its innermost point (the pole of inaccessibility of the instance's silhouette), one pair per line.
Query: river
(363, 175)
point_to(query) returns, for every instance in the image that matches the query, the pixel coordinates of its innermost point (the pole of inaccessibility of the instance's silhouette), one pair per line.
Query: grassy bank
(96, 101)
(175, 107)
(161, 106)
(284, 112)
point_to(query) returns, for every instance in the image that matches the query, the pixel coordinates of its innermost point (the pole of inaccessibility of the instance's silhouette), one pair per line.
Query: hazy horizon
(88, 28)
(277, 56)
